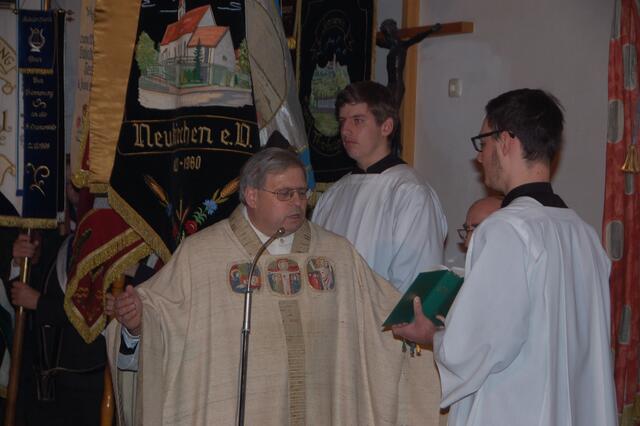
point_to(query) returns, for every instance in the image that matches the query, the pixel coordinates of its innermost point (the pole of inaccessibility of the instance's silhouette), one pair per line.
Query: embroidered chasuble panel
(284, 276)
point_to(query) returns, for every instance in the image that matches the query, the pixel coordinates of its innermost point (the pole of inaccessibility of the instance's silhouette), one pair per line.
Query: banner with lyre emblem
(32, 136)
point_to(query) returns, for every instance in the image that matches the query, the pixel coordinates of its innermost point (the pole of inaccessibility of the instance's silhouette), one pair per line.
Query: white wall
(557, 45)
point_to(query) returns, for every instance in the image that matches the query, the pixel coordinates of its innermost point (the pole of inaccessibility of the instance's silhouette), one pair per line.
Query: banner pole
(107, 406)
(16, 350)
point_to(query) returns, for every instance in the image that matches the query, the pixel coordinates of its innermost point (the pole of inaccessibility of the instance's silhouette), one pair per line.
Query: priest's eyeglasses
(464, 232)
(477, 140)
(288, 193)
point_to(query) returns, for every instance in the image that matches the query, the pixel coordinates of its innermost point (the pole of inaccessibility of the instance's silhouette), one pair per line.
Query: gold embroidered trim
(114, 36)
(83, 135)
(27, 222)
(85, 266)
(138, 224)
(80, 179)
(98, 188)
(631, 161)
(630, 413)
(125, 262)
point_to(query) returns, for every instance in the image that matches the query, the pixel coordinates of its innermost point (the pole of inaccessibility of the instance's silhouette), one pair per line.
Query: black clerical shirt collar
(380, 166)
(539, 191)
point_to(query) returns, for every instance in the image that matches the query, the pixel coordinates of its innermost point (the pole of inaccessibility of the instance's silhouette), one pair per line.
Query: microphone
(280, 232)
(246, 327)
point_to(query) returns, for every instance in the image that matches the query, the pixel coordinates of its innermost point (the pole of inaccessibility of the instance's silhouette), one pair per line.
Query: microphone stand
(246, 328)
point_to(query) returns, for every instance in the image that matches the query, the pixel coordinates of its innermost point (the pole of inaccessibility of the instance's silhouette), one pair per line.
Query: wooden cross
(410, 20)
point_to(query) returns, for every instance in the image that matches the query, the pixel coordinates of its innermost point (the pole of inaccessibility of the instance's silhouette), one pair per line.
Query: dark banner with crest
(189, 121)
(334, 49)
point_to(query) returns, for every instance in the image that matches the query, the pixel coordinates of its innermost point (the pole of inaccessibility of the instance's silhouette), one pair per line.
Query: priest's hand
(128, 310)
(23, 295)
(420, 331)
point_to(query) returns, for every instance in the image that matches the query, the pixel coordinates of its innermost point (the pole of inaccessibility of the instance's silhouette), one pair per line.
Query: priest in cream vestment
(317, 354)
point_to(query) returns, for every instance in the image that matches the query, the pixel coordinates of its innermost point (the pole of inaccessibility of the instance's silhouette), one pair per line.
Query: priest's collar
(248, 236)
(539, 191)
(380, 166)
(279, 245)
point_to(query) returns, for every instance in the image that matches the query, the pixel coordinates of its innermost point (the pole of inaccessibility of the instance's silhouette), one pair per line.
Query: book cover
(436, 289)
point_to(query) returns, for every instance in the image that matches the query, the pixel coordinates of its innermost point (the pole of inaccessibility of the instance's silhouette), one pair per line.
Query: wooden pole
(410, 18)
(16, 350)
(108, 405)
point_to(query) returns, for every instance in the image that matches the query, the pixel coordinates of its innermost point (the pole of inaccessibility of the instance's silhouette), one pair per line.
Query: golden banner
(116, 22)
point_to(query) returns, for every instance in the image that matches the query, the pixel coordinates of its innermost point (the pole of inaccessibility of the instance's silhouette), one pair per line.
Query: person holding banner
(317, 353)
(33, 405)
(62, 377)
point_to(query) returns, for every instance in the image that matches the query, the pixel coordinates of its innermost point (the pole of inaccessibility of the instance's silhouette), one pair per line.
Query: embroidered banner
(189, 120)
(191, 107)
(9, 118)
(32, 122)
(334, 49)
(104, 247)
(79, 125)
(43, 114)
(114, 37)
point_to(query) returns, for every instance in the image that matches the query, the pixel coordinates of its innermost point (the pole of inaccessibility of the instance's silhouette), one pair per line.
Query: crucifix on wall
(410, 31)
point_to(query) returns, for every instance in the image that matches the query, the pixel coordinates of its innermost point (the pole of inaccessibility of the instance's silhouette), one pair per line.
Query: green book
(436, 289)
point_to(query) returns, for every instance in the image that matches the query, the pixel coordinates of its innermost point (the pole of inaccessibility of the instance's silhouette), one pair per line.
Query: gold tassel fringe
(631, 163)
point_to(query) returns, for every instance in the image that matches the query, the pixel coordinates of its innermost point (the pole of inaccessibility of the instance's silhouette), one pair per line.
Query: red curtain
(621, 221)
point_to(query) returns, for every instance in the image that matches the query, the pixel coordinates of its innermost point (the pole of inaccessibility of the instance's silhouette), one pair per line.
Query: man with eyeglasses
(527, 340)
(316, 354)
(383, 206)
(479, 211)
